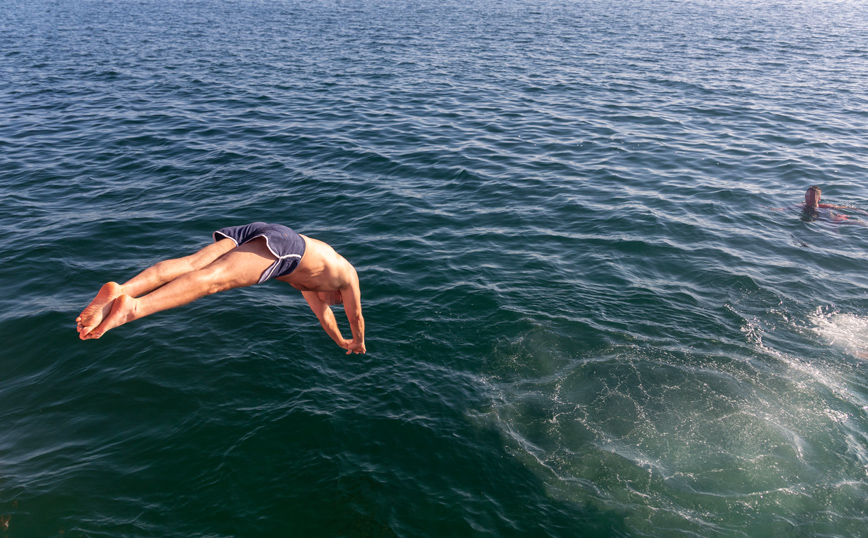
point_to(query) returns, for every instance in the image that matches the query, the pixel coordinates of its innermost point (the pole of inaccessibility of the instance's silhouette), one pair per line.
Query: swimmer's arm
(326, 317)
(830, 206)
(847, 219)
(352, 297)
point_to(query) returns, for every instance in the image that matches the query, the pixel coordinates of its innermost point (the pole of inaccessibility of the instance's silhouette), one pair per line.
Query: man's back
(321, 269)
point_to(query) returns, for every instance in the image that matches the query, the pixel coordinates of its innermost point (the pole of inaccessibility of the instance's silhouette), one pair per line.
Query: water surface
(584, 316)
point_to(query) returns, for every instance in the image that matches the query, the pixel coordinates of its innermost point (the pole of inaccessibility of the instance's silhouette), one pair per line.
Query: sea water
(593, 306)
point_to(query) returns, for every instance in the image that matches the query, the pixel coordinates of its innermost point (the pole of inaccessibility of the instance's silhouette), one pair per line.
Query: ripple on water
(689, 436)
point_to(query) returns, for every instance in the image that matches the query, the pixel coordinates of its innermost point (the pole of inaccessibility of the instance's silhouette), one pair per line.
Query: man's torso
(320, 269)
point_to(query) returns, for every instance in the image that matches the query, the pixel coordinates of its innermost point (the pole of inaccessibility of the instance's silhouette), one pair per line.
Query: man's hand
(353, 347)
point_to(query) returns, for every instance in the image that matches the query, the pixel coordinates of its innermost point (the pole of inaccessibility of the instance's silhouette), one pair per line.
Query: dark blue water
(593, 306)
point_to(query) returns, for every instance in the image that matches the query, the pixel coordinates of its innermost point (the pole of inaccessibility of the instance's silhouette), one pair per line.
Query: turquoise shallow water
(584, 318)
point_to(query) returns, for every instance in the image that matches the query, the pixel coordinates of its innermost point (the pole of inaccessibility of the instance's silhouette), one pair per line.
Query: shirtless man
(812, 200)
(240, 256)
(812, 204)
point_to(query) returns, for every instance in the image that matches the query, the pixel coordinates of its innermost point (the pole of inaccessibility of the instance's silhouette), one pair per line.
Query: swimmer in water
(812, 200)
(812, 205)
(240, 256)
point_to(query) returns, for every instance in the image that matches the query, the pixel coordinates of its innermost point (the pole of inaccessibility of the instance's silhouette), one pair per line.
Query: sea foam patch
(844, 330)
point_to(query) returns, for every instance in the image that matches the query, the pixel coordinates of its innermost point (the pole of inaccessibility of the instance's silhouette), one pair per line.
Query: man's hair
(816, 189)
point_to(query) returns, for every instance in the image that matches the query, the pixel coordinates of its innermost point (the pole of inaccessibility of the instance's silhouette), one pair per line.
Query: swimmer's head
(812, 196)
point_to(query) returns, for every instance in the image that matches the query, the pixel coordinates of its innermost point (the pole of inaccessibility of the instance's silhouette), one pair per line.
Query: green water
(585, 314)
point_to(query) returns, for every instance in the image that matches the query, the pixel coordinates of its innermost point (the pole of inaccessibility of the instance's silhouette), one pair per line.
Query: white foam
(847, 331)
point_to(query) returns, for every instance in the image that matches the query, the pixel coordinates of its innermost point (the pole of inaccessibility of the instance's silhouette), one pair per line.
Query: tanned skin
(323, 276)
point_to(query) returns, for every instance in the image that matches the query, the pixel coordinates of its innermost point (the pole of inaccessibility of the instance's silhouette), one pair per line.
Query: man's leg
(165, 271)
(148, 280)
(239, 267)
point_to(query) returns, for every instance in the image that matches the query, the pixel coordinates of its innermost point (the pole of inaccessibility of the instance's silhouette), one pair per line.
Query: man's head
(812, 196)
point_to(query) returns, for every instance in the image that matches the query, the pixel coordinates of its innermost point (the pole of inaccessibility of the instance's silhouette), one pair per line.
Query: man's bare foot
(98, 309)
(123, 310)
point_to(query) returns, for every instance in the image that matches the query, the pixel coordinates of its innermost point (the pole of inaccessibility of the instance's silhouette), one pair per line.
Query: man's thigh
(243, 265)
(207, 255)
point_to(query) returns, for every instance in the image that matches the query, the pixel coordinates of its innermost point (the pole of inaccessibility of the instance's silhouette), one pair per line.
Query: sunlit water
(593, 306)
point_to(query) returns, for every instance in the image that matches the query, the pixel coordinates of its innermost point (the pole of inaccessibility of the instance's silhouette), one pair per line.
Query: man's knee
(212, 279)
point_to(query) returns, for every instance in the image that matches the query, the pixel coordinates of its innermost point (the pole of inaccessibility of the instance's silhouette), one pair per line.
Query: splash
(727, 442)
(846, 331)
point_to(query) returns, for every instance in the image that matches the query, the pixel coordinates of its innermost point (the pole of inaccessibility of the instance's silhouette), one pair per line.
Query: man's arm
(352, 297)
(848, 219)
(830, 206)
(326, 318)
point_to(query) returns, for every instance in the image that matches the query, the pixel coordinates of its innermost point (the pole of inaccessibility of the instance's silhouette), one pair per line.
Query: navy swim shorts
(283, 242)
